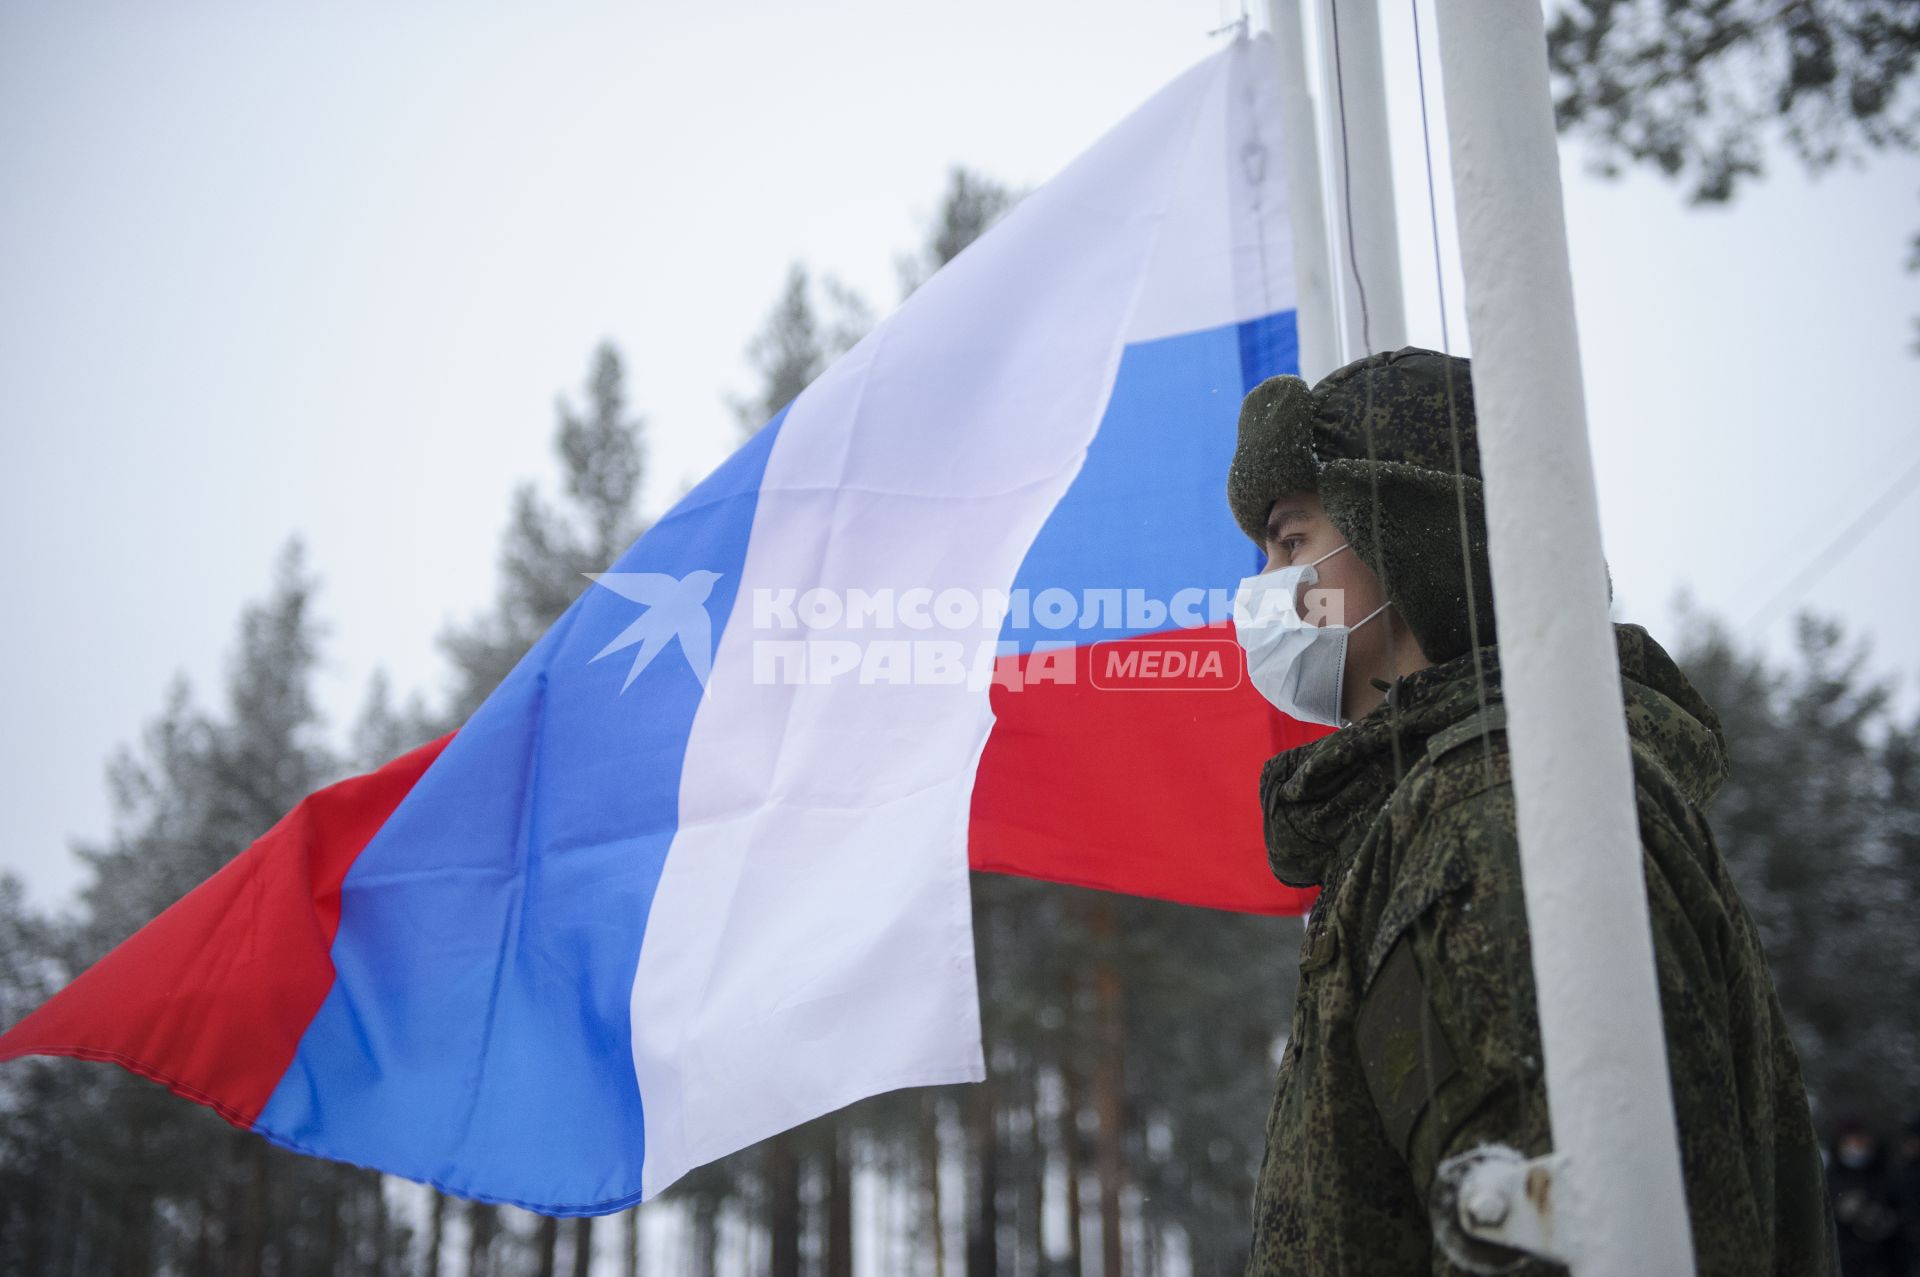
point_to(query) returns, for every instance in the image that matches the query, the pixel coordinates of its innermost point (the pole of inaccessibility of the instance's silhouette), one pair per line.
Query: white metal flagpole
(1313, 265)
(1618, 1201)
(1360, 172)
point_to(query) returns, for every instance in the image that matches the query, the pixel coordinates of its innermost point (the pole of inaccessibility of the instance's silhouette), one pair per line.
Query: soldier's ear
(1404, 522)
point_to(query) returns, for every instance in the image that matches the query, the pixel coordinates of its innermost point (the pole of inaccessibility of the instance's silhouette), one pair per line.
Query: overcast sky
(321, 270)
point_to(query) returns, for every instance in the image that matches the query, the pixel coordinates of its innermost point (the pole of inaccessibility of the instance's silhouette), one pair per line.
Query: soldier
(1414, 1036)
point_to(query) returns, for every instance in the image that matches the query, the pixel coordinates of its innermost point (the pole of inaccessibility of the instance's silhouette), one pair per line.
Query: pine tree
(129, 1179)
(1698, 88)
(549, 549)
(31, 1160)
(808, 328)
(969, 207)
(1708, 91)
(385, 730)
(1817, 822)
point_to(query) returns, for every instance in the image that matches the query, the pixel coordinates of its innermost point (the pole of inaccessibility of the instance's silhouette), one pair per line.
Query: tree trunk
(546, 1240)
(74, 1240)
(884, 1229)
(251, 1253)
(583, 1246)
(483, 1222)
(133, 1239)
(133, 1204)
(436, 1232)
(839, 1248)
(1033, 1183)
(1070, 1142)
(983, 1221)
(333, 1202)
(783, 1207)
(61, 1235)
(631, 1242)
(37, 1219)
(706, 1239)
(381, 1263)
(206, 1226)
(930, 1170)
(1110, 1084)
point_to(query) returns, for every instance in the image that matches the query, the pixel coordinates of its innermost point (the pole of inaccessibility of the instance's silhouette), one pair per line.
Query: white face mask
(1296, 666)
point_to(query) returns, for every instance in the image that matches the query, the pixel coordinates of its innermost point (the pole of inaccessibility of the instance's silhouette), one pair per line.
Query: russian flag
(698, 870)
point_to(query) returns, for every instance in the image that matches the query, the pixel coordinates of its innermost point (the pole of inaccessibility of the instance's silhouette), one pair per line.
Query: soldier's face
(1298, 531)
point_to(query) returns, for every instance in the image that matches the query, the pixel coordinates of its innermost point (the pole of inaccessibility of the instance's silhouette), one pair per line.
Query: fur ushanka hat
(1295, 439)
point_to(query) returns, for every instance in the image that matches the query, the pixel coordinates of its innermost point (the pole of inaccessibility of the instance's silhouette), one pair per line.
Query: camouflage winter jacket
(1414, 1036)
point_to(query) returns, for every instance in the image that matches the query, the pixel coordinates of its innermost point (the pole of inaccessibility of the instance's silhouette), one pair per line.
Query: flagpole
(1360, 172)
(1313, 267)
(1617, 1202)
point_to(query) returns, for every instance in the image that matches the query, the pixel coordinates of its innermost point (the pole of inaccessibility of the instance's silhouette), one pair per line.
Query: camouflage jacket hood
(1321, 796)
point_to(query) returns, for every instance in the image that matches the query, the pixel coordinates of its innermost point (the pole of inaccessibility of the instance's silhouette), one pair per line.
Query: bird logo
(676, 609)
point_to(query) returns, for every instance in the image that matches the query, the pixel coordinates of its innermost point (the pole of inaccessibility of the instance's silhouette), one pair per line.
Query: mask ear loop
(1340, 675)
(1368, 617)
(1314, 579)
(1329, 554)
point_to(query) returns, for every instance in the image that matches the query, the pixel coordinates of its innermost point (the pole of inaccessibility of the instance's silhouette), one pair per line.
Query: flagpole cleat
(1493, 1209)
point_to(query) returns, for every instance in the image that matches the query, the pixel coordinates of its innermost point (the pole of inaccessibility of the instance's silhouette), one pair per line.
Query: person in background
(1863, 1205)
(1905, 1191)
